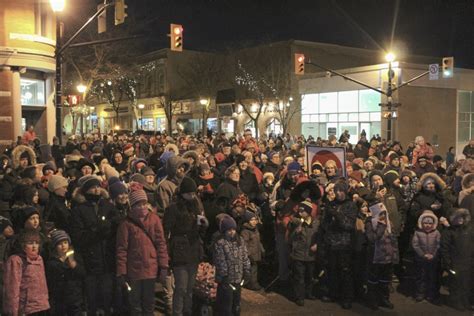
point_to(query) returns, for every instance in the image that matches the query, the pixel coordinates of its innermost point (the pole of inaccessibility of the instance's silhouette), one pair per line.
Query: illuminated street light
(81, 88)
(141, 107)
(203, 101)
(57, 5)
(390, 57)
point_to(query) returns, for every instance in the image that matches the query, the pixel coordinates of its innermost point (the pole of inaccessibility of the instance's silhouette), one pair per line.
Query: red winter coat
(137, 258)
(25, 289)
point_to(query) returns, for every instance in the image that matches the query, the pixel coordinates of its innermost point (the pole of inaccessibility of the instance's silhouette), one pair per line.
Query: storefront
(325, 114)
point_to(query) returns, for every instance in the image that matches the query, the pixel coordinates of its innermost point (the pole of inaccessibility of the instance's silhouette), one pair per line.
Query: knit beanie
(437, 158)
(138, 177)
(294, 166)
(23, 215)
(116, 187)
(375, 173)
(56, 182)
(226, 224)
(25, 155)
(50, 165)
(305, 206)
(248, 216)
(147, 171)
(87, 182)
(84, 162)
(4, 223)
(127, 147)
(187, 186)
(137, 194)
(58, 235)
(390, 177)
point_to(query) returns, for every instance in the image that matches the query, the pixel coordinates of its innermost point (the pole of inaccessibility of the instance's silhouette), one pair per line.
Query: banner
(323, 154)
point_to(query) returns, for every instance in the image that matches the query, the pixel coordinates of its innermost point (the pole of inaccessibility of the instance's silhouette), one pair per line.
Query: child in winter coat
(426, 242)
(457, 255)
(65, 275)
(251, 236)
(302, 242)
(232, 267)
(25, 290)
(382, 255)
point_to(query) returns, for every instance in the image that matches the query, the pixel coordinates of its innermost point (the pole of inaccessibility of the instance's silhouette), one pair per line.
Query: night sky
(429, 27)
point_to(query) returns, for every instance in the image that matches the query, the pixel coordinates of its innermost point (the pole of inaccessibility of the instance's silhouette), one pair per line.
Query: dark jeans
(99, 293)
(302, 278)
(142, 297)
(184, 278)
(228, 299)
(427, 277)
(360, 271)
(340, 276)
(461, 288)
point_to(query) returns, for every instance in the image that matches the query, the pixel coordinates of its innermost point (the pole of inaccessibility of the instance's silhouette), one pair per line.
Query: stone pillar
(16, 104)
(6, 107)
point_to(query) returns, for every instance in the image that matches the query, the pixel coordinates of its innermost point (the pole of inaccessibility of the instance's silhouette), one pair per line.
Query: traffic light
(448, 67)
(101, 20)
(299, 64)
(176, 36)
(120, 14)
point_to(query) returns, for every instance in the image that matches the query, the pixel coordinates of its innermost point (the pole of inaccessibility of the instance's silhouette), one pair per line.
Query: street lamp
(141, 107)
(205, 114)
(81, 88)
(390, 57)
(58, 6)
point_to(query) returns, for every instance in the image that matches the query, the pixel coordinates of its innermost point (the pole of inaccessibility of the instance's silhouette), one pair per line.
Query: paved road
(275, 305)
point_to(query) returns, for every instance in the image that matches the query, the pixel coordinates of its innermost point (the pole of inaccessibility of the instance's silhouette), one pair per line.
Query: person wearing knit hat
(49, 168)
(87, 182)
(356, 175)
(99, 159)
(239, 158)
(56, 210)
(392, 179)
(305, 206)
(128, 150)
(116, 187)
(137, 195)
(57, 236)
(251, 237)
(316, 168)
(294, 167)
(85, 167)
(375, 179)
(6, 227)
(25, 288)
(27, 217)
(226, 224)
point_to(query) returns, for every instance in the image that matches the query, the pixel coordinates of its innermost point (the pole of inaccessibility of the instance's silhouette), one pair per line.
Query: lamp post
(58, 6)
(141, 107)
(205, 113)
(82, 89)
(390, 58)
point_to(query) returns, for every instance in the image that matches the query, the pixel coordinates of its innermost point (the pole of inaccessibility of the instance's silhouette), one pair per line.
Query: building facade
(27, 65)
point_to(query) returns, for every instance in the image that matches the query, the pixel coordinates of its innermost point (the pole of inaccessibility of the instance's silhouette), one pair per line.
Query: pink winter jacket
(25, 289)
(137, 258)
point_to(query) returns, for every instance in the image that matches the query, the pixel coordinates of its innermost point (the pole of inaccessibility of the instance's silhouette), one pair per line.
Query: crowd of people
(94, 224)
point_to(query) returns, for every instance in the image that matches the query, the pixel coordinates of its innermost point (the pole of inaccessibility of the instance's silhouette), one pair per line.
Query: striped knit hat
(59, 235)
(137, 194)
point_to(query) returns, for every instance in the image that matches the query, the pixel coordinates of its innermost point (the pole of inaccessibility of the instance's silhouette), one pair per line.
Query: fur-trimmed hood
(20, 149)
(460, 212)
(425, 214)
(440, 184)
(78, 195)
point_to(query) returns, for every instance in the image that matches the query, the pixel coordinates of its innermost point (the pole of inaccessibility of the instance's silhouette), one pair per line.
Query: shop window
(369, 101)
(310, 104)
(328, 102)
(348, 101)
(375, 117)
(32, 92)
(305, 118)
(465, 116)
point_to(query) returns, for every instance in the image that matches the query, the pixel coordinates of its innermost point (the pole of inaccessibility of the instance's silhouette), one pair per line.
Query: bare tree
(203, 75)
(262, 77)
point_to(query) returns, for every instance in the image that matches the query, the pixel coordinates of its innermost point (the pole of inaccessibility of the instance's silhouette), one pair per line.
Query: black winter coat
(301, 242)
(64, 284)
(57, 212)
(338, 225)
(93, 230)
(226, 193)
(249, 185)
(251, 237)
(456, 249)
(183, 233)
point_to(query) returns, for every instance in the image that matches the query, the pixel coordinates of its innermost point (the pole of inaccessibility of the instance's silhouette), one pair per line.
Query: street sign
(434, 71)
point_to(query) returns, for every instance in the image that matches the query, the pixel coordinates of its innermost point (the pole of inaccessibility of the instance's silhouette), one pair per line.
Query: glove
(163, 275)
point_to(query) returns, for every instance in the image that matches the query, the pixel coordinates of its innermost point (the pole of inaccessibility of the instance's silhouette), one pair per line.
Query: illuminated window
(32, 92)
